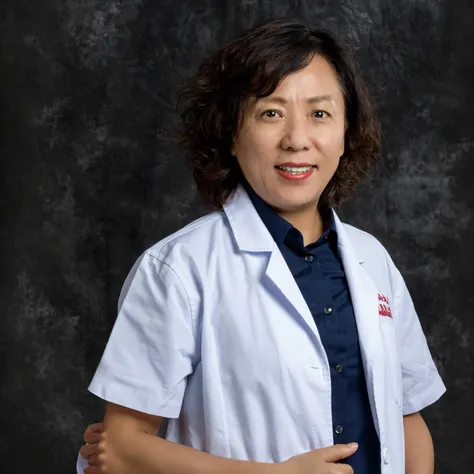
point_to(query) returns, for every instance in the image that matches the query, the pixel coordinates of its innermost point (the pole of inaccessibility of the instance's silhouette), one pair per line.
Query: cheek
(330, 143)
(253, 148)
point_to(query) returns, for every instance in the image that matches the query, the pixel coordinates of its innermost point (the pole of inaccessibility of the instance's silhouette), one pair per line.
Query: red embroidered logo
(384, 306)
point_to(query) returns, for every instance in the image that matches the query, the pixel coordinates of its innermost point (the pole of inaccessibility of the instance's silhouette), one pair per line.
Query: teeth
(295, 170)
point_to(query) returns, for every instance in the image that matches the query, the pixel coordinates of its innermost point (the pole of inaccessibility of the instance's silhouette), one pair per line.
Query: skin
(302, 121)
(419, 450)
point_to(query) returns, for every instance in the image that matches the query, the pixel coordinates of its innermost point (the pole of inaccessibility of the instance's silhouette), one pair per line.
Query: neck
(308, 221)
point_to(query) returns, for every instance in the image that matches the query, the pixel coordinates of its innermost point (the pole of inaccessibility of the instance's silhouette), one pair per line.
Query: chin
(299, 203)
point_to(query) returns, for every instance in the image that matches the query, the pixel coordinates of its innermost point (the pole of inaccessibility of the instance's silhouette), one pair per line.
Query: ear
(233, 149)
(343, 146)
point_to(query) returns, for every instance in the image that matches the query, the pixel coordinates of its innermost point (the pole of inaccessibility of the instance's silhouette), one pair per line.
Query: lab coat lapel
(282, 278)
(252, 236)
(365, 302)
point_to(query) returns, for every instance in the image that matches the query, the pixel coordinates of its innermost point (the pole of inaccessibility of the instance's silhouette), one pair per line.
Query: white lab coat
(213, 333)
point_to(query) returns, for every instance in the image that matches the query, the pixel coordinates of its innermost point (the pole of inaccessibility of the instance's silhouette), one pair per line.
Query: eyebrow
(311, 100)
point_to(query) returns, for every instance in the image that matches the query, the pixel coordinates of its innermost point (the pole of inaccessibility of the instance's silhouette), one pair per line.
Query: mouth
(296, 169)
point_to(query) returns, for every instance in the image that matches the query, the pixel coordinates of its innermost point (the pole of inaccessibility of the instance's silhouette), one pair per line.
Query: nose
(296, 137)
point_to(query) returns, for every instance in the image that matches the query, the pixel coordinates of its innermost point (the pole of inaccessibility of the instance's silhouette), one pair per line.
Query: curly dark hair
(251, 66)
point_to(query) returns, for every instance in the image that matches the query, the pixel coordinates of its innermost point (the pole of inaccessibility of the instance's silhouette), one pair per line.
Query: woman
(268, 334)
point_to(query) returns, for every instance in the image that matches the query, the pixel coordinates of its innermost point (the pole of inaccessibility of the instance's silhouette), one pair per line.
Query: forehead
(317, 82)
(319, 76)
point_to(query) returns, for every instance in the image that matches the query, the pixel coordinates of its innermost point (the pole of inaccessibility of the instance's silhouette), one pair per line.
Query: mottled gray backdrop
(90, 176)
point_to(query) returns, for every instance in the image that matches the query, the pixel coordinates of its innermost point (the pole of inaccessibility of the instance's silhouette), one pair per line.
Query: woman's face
(299, 127)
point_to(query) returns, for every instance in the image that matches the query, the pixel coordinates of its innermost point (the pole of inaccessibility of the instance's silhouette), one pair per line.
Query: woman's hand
(98, 451)
(92, 436)
(321, 461)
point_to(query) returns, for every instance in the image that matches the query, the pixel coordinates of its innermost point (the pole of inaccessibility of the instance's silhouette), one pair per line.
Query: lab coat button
(386, 455)
(309, 258)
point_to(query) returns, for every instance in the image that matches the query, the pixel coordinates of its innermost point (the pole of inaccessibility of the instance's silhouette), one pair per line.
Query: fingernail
(352, 445)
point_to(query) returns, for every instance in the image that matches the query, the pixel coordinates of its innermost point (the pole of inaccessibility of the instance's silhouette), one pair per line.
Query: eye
(270, 113)
(320, 114)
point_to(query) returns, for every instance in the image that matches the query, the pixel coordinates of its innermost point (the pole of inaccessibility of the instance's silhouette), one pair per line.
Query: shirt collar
(277, 225)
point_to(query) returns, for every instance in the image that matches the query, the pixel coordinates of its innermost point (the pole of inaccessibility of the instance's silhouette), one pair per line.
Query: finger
(336, 468)
(87, 450)
(97, 427)
(343, 469)
(339, 451)
(94, 428)
(92, 470)
(92, 437)
(93, 460)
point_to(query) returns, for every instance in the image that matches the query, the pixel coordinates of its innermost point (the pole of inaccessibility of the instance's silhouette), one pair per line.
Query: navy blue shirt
(319, 266)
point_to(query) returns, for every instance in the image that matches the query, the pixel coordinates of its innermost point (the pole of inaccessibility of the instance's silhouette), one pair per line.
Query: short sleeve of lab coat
(152, 347)
(422, 384)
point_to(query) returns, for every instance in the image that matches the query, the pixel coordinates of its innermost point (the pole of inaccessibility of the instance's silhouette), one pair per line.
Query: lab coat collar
(249, 231)
(343, 241)
(252, 235)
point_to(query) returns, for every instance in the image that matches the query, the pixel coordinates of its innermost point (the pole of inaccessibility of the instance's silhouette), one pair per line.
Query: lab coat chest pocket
(392, 357)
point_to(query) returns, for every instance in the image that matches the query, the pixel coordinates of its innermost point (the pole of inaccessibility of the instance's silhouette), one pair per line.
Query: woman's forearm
(419, 452)
(147, 454)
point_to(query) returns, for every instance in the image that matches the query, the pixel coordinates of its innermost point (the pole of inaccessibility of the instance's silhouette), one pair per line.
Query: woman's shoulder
(367, 247)
(192, 240)
(361, 238)
(372, 252)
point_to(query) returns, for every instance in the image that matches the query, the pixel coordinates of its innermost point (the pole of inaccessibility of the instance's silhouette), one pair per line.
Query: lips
(290, 164)
(293, 173)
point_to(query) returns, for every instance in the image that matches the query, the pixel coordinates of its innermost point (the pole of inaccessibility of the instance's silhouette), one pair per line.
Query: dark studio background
(90, 177)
